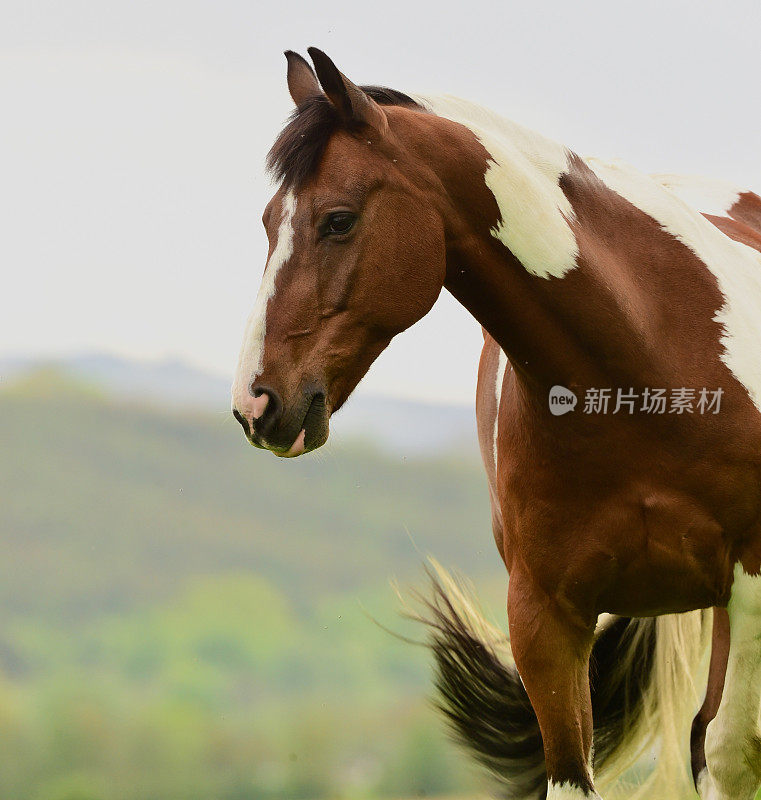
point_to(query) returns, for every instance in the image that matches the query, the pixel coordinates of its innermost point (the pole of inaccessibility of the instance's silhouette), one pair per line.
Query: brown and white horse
(591, 281)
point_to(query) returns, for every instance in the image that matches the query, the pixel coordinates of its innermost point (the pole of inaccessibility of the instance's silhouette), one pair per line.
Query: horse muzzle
(286, 430)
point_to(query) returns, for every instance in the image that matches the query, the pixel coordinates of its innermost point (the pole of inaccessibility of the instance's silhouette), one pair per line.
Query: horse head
(356, 255)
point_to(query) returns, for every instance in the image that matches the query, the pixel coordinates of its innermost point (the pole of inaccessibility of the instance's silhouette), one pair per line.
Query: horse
(618, 407)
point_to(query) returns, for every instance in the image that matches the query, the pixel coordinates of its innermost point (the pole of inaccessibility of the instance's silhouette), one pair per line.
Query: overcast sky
(133, 136)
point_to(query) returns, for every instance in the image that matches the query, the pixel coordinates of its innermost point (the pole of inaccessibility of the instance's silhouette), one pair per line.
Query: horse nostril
(266, 407)
(259, 406)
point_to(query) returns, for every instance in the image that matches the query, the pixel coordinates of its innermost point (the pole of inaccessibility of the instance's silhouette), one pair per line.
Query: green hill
(184, 616)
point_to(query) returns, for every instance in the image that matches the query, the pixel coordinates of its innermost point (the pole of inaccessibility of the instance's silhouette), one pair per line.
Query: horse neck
(511, 242)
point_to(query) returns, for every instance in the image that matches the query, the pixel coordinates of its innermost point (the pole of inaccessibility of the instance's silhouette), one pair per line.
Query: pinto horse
(620, 527)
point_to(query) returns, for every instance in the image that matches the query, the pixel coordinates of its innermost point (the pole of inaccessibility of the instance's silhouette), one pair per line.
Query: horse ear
(352, 103)
(302, 82)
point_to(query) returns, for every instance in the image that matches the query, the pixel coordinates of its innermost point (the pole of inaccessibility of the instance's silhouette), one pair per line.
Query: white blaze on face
(523, 174)
(251, 358)
(736, 267)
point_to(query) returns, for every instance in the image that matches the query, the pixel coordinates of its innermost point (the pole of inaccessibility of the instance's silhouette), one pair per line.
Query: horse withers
(618, 413)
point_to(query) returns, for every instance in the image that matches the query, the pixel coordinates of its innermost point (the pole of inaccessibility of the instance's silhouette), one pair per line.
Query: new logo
(562, 400)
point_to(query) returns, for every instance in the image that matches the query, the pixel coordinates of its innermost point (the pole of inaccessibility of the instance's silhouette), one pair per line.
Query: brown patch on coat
(738, 230)
(747, 209)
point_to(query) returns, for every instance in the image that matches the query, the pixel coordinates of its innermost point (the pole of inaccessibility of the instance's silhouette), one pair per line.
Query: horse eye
(339, 223)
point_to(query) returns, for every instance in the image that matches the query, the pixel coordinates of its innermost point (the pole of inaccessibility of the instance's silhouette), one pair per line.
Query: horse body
(662, 531)
(665, 504)
(738, 215)
(587, 276)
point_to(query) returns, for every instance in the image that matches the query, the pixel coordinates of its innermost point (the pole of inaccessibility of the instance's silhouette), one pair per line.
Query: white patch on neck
(707, 195)
(498, 381)
(522, 174)
(251, 358)
(736, 266)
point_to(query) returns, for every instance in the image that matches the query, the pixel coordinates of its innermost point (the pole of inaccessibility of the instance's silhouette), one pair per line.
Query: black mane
(298, 149)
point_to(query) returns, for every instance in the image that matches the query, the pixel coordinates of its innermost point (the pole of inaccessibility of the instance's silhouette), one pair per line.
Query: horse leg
(551, 652)
(733, 745)
(716, 674)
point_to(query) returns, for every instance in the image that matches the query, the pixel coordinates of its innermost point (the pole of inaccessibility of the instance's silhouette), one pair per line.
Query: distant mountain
(397, 426)
(169, 382)
(134, 498)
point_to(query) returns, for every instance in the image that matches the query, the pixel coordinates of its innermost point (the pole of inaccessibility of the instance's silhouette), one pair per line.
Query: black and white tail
(643, 673)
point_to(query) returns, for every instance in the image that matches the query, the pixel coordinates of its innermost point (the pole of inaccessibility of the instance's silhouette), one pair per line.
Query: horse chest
(624, 535)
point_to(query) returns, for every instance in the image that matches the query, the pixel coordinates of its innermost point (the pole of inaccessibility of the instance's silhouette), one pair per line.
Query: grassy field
(186, 618)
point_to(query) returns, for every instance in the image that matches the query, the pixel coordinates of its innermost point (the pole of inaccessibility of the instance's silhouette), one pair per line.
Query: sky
(133, 139)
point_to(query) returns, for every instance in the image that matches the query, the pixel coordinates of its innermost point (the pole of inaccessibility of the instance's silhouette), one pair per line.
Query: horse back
(736, 211)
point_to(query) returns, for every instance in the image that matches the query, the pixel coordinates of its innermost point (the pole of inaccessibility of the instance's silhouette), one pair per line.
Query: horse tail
(667, 698)
(643, 684)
